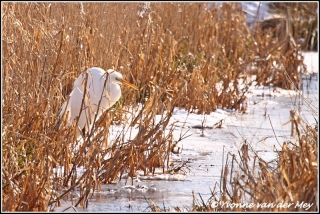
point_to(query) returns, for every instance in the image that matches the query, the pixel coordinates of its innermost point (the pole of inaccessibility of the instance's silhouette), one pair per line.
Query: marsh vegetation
(183, 55)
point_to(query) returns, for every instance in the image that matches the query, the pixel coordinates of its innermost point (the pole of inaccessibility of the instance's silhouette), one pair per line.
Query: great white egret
(86, 104)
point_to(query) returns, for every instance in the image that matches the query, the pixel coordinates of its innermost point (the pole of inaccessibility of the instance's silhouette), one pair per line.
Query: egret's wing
(80, 80)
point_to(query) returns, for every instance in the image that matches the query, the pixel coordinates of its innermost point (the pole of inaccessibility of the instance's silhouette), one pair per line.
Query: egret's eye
(118, 79)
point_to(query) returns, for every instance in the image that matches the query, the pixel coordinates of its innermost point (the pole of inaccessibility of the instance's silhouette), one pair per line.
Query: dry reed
(255, 185)
(176, 53)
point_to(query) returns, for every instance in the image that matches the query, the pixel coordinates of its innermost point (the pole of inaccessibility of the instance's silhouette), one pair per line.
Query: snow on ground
(265, 127)
(311, 59)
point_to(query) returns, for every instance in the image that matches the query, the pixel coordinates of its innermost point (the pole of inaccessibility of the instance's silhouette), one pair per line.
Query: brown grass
(284, 186)
(176, 53)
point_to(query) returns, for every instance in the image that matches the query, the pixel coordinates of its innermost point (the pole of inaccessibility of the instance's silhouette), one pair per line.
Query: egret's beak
(129, 84)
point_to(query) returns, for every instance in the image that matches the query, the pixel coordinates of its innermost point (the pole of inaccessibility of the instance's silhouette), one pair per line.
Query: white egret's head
(117, 78)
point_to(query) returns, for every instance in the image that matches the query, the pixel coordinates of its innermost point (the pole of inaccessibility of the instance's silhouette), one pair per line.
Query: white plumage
(102, 91)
